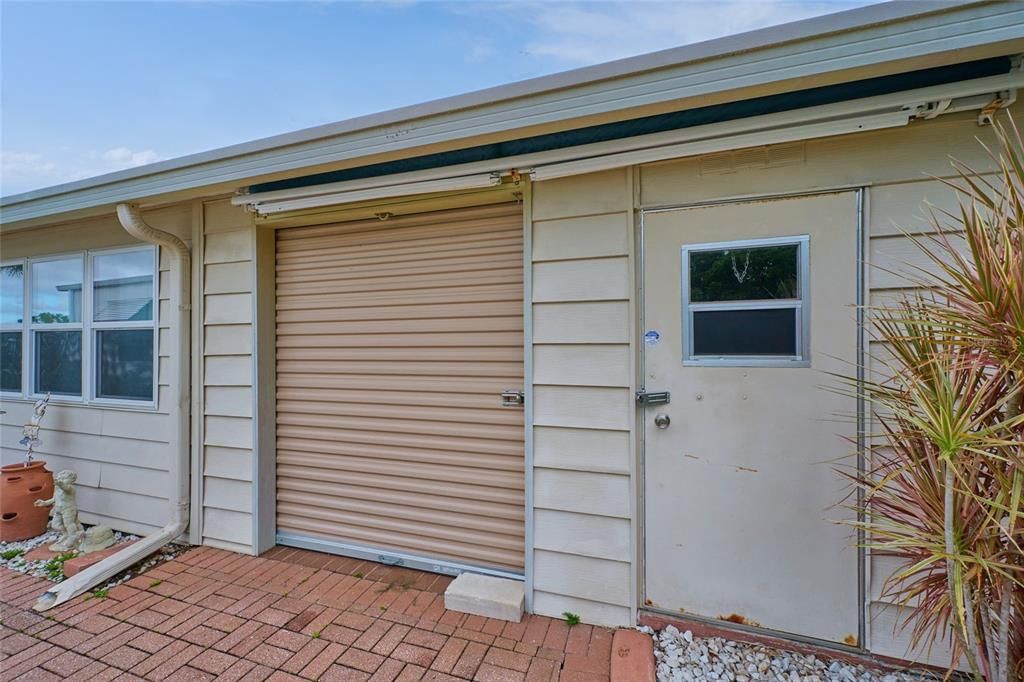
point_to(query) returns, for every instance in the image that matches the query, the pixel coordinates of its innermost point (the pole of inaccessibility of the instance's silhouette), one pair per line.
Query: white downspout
(178, 466)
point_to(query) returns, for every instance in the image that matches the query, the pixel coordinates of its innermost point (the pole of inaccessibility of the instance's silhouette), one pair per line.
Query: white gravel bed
(681, 657)
(15, 561)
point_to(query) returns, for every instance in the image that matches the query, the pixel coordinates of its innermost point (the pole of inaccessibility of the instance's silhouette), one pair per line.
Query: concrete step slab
(485, 595)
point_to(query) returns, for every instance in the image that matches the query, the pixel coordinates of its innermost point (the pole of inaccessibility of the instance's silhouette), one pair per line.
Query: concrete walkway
(288, 615)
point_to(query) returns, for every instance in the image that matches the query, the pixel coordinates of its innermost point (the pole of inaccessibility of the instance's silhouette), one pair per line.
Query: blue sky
(89, 88)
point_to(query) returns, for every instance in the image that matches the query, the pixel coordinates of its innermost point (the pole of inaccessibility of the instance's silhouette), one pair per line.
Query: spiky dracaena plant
(944, 490)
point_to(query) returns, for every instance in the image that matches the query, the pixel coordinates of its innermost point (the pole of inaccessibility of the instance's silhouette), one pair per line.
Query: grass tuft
(54, 568)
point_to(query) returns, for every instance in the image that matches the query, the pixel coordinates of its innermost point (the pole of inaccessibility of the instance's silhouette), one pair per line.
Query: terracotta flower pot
(20, 486)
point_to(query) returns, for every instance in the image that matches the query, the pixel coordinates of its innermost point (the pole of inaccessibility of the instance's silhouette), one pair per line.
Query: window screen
(58, 362)
(745, 302)
(10, 361)
(124, 364)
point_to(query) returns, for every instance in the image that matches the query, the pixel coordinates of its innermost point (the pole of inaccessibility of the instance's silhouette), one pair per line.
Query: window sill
(69, 402)
(744, 362)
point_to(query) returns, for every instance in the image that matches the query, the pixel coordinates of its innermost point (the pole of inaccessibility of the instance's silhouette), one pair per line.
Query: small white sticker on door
(652, 337)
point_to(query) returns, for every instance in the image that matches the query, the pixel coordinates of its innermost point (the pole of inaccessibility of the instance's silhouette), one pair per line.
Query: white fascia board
(889, 35)
(892, 107)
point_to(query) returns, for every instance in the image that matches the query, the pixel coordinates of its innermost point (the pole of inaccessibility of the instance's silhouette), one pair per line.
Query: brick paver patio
(287, 615)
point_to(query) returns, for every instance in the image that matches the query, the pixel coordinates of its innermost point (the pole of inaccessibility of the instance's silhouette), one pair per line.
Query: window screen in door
(745, 302)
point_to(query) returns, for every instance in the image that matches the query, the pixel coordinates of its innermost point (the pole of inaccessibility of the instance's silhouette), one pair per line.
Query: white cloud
(581, 33)
(480, 49)
(23, 164)
(126, 158)
(21, 171)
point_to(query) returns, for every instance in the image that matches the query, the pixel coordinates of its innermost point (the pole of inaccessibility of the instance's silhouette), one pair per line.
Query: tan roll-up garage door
(395, 340)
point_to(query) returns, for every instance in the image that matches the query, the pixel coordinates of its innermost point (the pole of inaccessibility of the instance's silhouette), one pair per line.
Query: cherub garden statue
(65, 511)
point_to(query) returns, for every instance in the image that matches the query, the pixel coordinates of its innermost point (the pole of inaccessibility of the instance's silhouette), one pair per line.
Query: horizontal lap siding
(120, 455)
(394, 341)
(583, 408)
(122, 478)
(896, 165)
(895, 265)
(228, 376)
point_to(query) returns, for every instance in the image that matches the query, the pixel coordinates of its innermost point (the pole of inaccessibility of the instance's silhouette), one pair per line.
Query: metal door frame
(863, 567)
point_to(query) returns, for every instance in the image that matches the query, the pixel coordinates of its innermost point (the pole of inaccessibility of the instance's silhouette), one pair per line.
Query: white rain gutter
(178, 466)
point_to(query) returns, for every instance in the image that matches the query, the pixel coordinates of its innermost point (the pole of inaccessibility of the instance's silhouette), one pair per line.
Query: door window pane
(124, 364)
(744, 274)
(58, 362)
(745, 302)
(769, 332)
(12, 298)
(10, 361)
(57, 291)
(123, 286)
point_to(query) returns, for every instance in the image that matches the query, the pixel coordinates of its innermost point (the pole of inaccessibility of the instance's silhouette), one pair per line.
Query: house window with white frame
(80, 326)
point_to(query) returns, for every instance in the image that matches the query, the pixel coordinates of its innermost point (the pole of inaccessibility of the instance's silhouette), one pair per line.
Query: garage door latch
(512, 398)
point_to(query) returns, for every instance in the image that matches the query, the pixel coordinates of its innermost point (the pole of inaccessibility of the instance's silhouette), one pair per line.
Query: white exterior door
(747, 306)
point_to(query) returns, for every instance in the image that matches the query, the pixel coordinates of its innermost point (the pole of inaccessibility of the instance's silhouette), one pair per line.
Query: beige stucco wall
(120, 454)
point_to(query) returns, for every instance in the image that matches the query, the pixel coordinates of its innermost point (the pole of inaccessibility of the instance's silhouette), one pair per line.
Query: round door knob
(662, 421)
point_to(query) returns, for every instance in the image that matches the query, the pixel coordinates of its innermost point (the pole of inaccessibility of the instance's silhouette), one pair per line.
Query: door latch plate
(653, 397)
